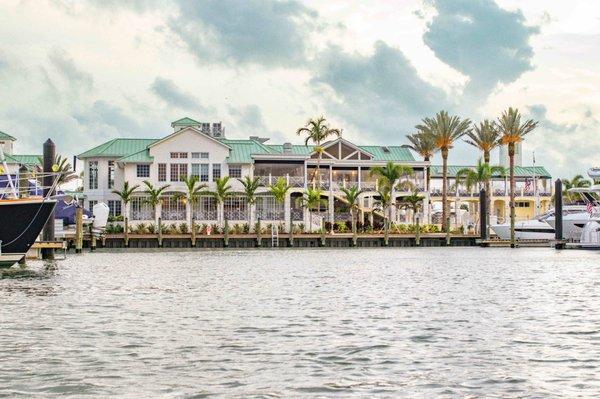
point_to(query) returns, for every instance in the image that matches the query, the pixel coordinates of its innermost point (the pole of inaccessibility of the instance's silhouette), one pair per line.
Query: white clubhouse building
(201, 149)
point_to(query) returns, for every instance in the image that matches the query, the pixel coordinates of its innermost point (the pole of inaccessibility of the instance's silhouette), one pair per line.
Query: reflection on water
(433, 322)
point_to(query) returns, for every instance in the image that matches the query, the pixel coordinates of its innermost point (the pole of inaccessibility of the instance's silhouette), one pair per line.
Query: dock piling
(78, 229)
(417, 231)
(483, 215)
(448, 231)
(47, 182)
(558, 215)
(160, 232)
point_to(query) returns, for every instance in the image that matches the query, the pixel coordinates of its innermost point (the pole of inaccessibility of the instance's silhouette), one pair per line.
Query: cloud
(481, 40)
(170, 93)
(67, 69)
(381, 95)
(271, 33)
(249, 120)
(570, 148)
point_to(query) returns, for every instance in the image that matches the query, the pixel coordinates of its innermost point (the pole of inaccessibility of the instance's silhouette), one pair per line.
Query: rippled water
(439, 322)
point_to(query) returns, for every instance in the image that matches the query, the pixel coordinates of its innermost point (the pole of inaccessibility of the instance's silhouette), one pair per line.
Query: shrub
(183, 228)
(141, 229)
(246, 228)
(340, 226)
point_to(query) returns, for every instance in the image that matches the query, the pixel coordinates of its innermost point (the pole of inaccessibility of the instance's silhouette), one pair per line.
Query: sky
(84, 72)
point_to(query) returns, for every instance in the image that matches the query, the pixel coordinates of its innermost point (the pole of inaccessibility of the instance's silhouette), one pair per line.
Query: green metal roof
(241, 150)
(520, 171)
(6, 136)
(28, 160)
(296, 149)
(142, 156)
(185, 122)
(118, 148)
(393, 153)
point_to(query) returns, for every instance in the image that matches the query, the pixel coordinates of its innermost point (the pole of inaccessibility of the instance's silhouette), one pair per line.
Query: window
(195, 169)
(114, 207)
(235, 171)
(200, 155)
(111, 174)
(178, 171)
(141, 209)
(205, 209)
(91, 205)
(173, 208)
(143, 170)
(216, 171)
(162, 172)
(235, 208)
(179, 155)
(93, 175)
(203, 172)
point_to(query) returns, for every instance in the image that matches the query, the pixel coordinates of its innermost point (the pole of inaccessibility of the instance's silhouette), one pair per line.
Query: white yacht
(537, 228)
(573, 223)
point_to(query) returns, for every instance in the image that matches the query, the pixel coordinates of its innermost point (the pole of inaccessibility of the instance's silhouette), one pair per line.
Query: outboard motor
(590, 237)
(101, 212)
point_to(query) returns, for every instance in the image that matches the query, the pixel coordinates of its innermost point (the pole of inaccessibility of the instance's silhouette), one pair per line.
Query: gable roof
(242, 150)
(520, 171)
(117, 148)
(393, 153)
(186, 129)
(27, 160)
(142, 156)
(185, 122)
(6, 136)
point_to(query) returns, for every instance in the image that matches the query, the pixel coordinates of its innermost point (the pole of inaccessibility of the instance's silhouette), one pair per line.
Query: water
(419, 323)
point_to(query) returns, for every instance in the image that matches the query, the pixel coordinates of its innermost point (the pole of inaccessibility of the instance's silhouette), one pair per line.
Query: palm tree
(62, 168)
(384, 203)
(512, 131)
(311, 199)
(485, 137)
(575, 182)
(126, 195)
(444, 130)
(352, 197)
(414, 202)
(318, 131)
(279, 191)
(192, 195)
(250, 187)
(220, 194)
(388, 177)
(479, 177)
(423, 145)
(153, 195)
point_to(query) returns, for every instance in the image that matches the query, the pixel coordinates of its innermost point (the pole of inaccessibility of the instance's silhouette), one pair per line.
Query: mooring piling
(47, 181)
(483, 215)
(558, 215)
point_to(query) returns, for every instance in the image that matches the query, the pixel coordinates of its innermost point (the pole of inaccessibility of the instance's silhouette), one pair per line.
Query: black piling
(483, 215)
(558, 215)
(48, 179)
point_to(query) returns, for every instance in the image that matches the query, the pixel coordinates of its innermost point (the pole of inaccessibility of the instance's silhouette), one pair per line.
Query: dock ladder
(274, 235)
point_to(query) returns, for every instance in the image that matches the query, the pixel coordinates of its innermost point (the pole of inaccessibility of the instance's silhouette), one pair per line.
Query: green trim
(6, 136)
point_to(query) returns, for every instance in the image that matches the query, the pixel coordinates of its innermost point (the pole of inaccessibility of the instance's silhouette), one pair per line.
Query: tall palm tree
(575, 182)
(389, 176)
(192, 195)
(444, 130)
(318, 131)
(512, 131)
(485, 137)
(311, 199)
(352, 197)
(220, 194)
(153, 195)
(250, 187)
(279, 191)
(423, 145)
(126, 195)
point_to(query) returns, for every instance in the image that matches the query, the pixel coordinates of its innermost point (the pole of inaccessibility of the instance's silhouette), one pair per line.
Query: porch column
(251, 209)
(287, 210)
(359, 178)
(330, 202)
(425, 207)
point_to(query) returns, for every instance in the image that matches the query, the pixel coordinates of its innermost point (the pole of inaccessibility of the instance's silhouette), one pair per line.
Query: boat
(21, 221)
(573, 223)
(537, 228)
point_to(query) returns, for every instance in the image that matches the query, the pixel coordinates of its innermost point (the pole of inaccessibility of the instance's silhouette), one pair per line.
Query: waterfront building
(14, 161)
(202, 149)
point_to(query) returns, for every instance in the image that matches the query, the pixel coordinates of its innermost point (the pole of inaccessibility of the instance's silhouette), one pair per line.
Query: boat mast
(536, 194)
(5, 167)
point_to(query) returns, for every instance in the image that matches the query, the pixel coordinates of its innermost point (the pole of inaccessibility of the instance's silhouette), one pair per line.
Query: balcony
(292, 181)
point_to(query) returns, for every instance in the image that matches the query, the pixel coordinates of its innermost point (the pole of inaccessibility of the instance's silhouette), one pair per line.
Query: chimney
(287, 148)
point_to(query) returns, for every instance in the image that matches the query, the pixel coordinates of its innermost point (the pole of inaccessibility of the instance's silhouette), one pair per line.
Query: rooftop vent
(287, 148)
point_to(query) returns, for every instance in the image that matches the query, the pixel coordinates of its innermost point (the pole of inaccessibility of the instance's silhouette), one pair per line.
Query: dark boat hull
(20, 224)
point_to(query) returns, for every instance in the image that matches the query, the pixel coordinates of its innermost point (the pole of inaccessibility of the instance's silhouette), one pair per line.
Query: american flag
(590, 208)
